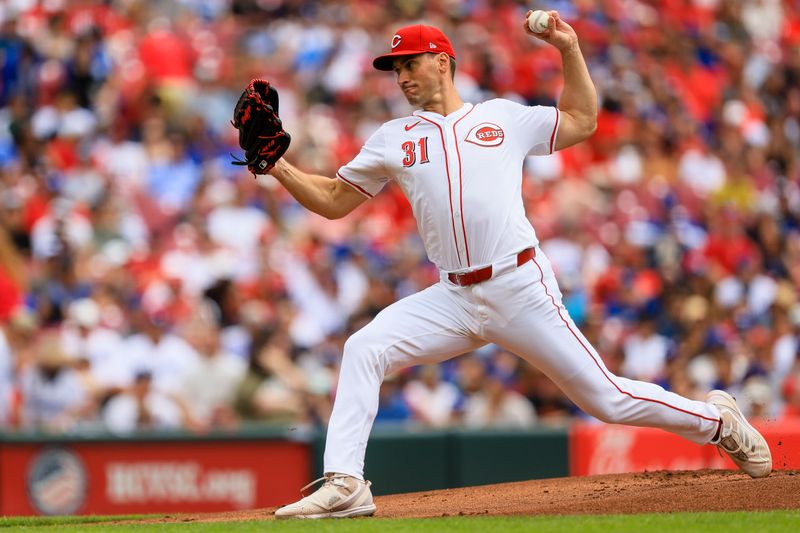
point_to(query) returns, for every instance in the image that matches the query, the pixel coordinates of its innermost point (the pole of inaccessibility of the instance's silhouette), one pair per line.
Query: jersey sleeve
(367, 171)
(537, 127)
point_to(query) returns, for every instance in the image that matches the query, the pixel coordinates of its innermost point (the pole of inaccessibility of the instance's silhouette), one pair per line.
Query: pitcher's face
(419, 77)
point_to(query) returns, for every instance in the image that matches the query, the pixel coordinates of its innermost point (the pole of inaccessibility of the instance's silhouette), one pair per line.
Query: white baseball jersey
(462, 175)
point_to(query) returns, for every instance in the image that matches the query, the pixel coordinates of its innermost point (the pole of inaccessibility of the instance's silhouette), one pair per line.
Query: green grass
(744, 522)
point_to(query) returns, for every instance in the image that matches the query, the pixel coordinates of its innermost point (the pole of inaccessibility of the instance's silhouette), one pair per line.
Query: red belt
(482, 274)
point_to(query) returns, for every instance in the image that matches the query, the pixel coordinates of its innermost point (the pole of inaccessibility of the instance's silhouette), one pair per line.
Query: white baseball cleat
(738, 438)
(340, 496)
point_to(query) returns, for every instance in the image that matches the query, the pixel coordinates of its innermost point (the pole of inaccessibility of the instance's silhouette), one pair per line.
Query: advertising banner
(609, 449)
(149, 477)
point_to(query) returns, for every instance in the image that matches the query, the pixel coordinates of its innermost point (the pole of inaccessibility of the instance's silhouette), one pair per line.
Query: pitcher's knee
(361, 350)
(359, 342)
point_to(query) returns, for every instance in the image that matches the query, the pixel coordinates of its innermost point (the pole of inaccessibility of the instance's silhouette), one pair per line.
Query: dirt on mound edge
(647, 492)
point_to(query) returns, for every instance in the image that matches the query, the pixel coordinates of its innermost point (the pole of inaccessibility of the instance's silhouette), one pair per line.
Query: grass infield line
(732, 522)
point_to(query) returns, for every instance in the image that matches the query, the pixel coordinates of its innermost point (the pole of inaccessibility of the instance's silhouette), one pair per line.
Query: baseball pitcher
(460, 165)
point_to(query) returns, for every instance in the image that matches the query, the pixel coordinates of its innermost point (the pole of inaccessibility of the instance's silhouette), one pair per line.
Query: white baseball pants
(520, 311)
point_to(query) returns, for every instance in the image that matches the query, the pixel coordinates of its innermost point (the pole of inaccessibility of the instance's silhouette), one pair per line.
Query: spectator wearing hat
(645, 350)
(54, 398)
(432, 400)
(758, 397)
(84, 338)
(156, 349)
(498, 405)
(141, 407)
(208, 384)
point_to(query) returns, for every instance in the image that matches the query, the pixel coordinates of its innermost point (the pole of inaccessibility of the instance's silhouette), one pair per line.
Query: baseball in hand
(538, 21)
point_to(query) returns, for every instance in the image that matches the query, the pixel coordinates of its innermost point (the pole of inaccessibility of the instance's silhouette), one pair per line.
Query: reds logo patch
(486, 134)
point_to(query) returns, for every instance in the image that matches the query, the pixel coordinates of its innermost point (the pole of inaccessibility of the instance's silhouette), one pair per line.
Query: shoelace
(326, 479)
(733, 445)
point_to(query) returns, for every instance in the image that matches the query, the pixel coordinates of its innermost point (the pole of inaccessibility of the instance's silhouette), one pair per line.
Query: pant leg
(427, 327)
(529, 319)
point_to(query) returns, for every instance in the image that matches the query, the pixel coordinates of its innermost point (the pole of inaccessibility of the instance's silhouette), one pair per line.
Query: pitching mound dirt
(648, 492)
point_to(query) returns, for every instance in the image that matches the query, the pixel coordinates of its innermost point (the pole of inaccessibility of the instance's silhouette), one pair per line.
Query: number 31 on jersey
(410, 150)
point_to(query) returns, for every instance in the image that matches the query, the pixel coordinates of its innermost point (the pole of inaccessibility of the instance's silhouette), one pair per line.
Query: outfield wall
(254, 468)
(399, 460)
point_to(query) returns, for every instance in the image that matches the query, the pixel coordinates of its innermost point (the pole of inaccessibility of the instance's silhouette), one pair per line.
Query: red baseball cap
(412, 40)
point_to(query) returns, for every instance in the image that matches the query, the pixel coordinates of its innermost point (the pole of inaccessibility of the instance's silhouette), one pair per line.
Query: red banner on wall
(149, 477)
(611, 449)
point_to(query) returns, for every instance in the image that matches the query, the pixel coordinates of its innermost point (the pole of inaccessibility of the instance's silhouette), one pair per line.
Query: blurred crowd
(145, 282)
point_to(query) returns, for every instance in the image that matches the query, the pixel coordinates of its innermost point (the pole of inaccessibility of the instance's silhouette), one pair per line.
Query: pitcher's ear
(443, 62)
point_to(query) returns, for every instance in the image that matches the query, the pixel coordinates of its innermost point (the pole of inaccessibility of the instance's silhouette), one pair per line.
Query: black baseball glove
(261, 133)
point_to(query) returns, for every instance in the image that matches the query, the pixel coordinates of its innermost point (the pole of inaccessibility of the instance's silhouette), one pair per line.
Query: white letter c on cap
(395, 41)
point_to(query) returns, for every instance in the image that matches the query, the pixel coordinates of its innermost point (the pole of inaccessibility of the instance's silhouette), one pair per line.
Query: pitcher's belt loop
(482, 274)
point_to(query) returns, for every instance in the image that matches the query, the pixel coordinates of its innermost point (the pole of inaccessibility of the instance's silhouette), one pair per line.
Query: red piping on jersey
(599, 366)
(449, 191)
(359, 189)
(460, 185)
(555, 127)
